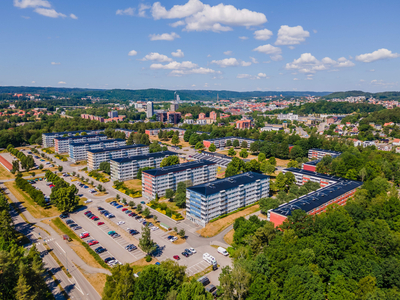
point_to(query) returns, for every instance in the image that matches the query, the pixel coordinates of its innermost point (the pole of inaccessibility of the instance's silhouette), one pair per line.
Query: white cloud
(33, 81)
(178, 53)
(308, 63)
(291, 35)
(253, 60)
(72, 16)
(154, 56)
(274, 52)
(209, 55)
(295, 79)
(132, 53)
(377, 55)
(61, 82)
(202, 71)
(49, 12)
(263, 34)
(248, 76)
(174, 65)
(31, 3)
(55, 63)
(229, 52)
(142, 9)
(230, 62)
(164, 37)
(245, 63)
(243, 38)
(199, 16)
(130, 11)
(315, 31)
(177, 23)
(383, 83)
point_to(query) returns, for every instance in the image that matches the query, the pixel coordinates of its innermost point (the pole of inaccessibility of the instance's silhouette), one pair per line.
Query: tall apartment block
(149, 109)
(320, 153)
(78, 151)
(96, 156)
(157, 181)
(207, 201)
(126, 168)
(48, 138)
(302, 176)
(221, 142)
(113, 114)
(61, 145)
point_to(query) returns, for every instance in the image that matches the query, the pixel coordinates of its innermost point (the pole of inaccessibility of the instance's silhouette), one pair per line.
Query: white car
(88, 201)
(192, 250)
(120, 222)
(154, 228)
(173, 239)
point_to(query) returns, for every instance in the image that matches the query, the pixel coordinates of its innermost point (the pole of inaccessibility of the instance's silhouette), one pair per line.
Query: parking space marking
(200, 266)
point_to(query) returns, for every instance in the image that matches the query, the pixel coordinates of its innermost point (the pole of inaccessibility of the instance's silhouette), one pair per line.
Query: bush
(148, 258)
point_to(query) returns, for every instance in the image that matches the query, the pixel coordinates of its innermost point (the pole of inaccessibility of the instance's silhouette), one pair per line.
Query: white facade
(48, 138)
(289, 116)
(78, 152)
(61, 145)
(149, 109)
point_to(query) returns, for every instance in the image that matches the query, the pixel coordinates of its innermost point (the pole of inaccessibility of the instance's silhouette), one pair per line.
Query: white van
(222, 251)
(209, 258)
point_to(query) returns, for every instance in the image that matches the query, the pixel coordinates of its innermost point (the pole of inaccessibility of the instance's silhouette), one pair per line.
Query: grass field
(216, 227)
(139, 265)
(97, 280)
(5, 174)
(135, 184)
(182, 142)
(35, 210)
(228, 238)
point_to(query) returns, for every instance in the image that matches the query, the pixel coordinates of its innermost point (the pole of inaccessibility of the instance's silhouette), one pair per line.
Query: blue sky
(306, 45)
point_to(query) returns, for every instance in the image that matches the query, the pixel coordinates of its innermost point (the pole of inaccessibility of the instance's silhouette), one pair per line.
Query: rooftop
(97, 142)
(319, 197)
(72, 132)
(228, 183)
(78, 137)
(313, 162)
(143, 156)
(326, 151)
(230, 137)
(179, 167)
(314, 174)
(116, 148)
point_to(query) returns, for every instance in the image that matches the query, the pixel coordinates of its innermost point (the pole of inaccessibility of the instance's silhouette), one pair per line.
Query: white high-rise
(149, 108)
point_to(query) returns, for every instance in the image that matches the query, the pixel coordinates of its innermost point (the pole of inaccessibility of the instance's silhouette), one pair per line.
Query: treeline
(380, 96)
(27, 162)
(348, 252)
(63, 195)
(325, 107)
(382, 117)
(35, 194)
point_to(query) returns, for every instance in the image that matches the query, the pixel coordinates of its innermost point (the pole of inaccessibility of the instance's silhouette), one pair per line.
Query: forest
(380, 96)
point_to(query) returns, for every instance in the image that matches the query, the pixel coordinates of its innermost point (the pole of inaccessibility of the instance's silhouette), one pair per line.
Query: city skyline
(201, 45)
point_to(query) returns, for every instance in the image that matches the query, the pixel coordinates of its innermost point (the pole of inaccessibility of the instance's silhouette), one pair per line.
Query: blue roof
(143, 156)
(228, 183)
(319, 197)
(116, 148)
(97, 142)
(78, 137)
(179, 167)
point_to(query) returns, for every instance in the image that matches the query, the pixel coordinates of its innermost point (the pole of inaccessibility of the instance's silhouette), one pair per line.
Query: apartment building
(126, 168)
(157, 181)
(221, 142)
(96, 156)
(207, 201)
(243, 124)
(127, 132)
(48, 138)
(311, 165)
(272, 127)
(316, 202)
(61, 144)
(302, 176)
(320, 153)
(78, 151)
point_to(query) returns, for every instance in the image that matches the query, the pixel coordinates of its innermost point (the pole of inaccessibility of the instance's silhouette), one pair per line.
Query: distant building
(113, 114)
(207, 201)
(61, 144)
(272, 128)
(48, 138)
(320, 153)
(149, 109)
(169, 117)
(289, 116)
(221, 142)
(174, 106)
(243, 124)
(78, 151)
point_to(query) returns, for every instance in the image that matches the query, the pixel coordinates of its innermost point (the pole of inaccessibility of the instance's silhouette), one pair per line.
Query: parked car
(124, 209)
(64, 215)
(128, 211)
(185, 254)
(212, 289)
(99, 250)
(119, 206)
(108, 259)
(84, 235)
(111, 232)
(110, 216)
(176, 257)
(78, 227)
(192, 250)
(69, 221)
(87, 212)
(100, 223)
(204, 280)
(222, 251)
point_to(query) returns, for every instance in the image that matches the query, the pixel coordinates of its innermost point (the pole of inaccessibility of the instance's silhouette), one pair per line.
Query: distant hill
(151, 94)
(382, 96)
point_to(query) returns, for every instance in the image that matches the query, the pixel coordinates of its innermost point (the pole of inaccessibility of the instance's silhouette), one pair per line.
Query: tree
(234, 283)
(267, 168)
(146, 212)
(145, 242)
(155, 218)
(118, 197)
(252, 166)
(175, 140)
(169, 161)
(64, 198)
(261, 157)
(169, 193)
(182, 233)
(231, 152)
(131, 204)
(15, 165)
(105, 167)
(144, 139)
(212, 148)
(123, 201)
(235, 143)
(228, 143)
(139, 208)
(199, 145)
(272, 161)
(23, 288)
(180, 200)
(230, 171)
(268, 203)
(293, 164)
(243, 153)
(244, 145)
(41, 166)
(194, 139)
(280, 181)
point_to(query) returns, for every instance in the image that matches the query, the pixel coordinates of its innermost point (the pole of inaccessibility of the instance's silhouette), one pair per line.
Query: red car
(87, 212)
(93, 217)
(176, 257)
(124, 209)
(84, 235)
(100, 223)
(93, 243)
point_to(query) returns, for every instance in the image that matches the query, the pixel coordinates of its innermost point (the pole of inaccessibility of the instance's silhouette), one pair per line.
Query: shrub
(148, 258)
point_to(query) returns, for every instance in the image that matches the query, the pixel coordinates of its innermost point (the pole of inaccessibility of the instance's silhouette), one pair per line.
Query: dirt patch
(216, 227)
(97, 280)
(79, 164)
(34, 209)
(135, 184)
(100, 194)
(110, 200)
(228, 238)
(181, 141)
(282, 162)
(262, 216)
